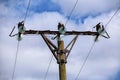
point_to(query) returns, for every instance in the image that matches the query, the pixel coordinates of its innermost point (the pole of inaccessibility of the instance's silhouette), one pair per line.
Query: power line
(71, 12)
(45, 77)
(85, 61)
(112, 16)
(27, 10)
(16, 56)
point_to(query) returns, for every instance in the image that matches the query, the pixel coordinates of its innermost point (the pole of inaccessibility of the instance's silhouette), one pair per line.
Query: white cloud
(34, 55)
(87, 7)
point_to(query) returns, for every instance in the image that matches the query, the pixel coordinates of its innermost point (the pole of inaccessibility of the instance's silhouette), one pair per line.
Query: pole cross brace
(70, 45)
(51, 46)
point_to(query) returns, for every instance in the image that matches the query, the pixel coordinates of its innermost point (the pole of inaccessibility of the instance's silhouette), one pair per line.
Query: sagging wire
(16, 57)
(112, 17)
(83, 64)
(85, 61)
(71, 12)
(27, 10)
(45, 77)
(20, 31)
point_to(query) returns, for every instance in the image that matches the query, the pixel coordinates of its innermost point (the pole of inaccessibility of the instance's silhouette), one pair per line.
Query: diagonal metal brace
(70, 44)
(12, 35)
(106, 34)
(51, 46)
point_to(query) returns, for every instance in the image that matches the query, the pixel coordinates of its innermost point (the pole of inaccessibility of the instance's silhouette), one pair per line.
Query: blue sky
(34, 55)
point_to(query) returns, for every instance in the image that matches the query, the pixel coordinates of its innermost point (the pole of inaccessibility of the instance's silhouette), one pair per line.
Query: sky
(34, 55)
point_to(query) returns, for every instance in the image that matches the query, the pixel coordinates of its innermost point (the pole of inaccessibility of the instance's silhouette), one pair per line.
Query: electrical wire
(16, 57)
(71, 12)
(85, 61)
(112, 16)
(27, 10)
(45, 77)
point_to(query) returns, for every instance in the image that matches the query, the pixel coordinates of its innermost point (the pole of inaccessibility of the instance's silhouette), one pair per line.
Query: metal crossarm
(57, 32)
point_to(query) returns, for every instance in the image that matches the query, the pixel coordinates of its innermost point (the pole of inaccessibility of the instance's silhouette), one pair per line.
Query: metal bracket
(107, 35)
(61, 61)
(61, 51)
(21, 30)
(11, 33)
(101, 30)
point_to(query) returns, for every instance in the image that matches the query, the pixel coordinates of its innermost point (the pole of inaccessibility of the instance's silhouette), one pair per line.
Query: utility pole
(60, 52)
(62, 63)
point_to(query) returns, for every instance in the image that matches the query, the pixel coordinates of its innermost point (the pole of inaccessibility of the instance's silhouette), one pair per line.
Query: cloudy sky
(34, 55)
